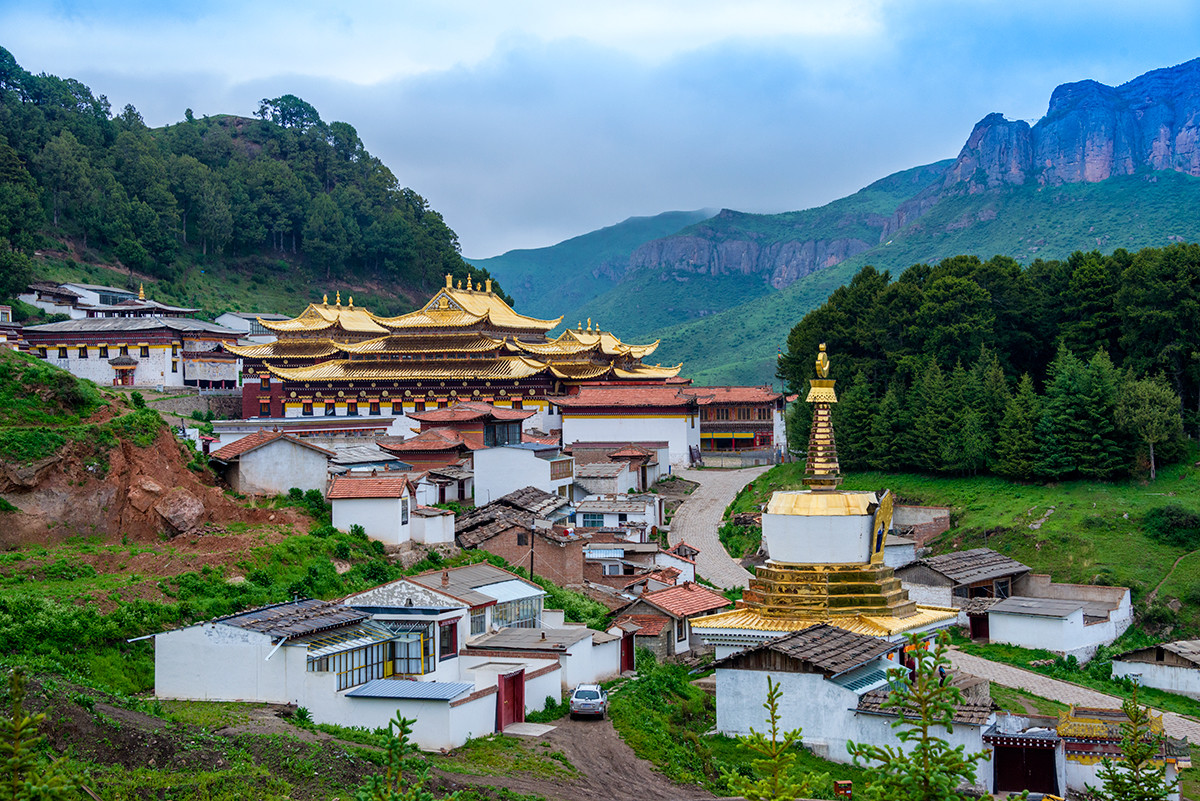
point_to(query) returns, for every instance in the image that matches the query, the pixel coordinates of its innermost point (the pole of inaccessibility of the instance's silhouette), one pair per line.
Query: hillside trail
(1157, 587)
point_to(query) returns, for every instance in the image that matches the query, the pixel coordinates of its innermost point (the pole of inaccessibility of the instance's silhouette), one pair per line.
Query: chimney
(445, 578)
(543, 635)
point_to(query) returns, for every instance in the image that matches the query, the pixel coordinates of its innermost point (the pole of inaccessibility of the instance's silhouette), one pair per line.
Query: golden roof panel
(286, 349)
(579, 371)
(871, 625)
(322, 316)
(466, 342)
(820, 504)
(555, 347)
(505, 367)
(646, 371)
(604, 341)
(457, 307)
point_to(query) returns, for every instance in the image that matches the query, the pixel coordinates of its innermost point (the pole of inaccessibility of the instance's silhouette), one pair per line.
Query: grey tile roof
(1187, 649)
(532, 499)
(533, 639)
(120, 324)
(407, 689)
(970, 713)
(600, 470)
(977, 564)
(295, 618)
(824, 647)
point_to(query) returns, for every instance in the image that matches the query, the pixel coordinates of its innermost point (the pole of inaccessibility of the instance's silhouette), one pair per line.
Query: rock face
(180, 510)
(1091, 132)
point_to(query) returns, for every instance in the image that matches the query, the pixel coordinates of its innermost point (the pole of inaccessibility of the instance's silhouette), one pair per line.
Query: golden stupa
(824, 551)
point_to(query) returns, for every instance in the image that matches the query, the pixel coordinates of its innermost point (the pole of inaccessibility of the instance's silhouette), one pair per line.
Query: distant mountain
(1105, 168)
(546, 282)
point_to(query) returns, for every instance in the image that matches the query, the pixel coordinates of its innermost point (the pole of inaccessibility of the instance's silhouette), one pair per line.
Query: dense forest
(284, 186)
(1088, 367)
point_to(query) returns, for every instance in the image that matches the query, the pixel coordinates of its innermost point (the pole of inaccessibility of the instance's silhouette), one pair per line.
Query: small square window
(83, 352)
(144, 351)
(62, 353)
(104, 351)
(522, 538)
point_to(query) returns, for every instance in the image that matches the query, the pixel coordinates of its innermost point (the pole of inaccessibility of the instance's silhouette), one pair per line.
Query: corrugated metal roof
(412, 690)
(1038, 607)
(604, 553)
(295, 618)
(345, 639)
(513, 590)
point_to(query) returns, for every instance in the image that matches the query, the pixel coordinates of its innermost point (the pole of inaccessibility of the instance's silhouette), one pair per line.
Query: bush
(1174, 525)
(137, 399)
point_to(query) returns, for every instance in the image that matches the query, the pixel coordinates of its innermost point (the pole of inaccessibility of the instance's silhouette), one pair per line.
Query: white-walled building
(272, 462)
(139, 351)
(833, 683)
(617, 510)
(249, 326)
(668, 413)
(1072, 624)
(1170, 666)
(665, 617)
(506, 468)
(384, 505)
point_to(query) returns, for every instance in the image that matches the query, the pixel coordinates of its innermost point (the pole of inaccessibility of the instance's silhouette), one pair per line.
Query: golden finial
(351, 301)
(822, 363)
(339, 298)
(488, 285)
(141, 291)
(325, 299)
(579, 326)
(449, 285)
(468, 282)
(589, 323)
(460, 283)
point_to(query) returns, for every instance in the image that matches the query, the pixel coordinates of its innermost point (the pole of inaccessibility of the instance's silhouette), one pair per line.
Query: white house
(394, 649)
(272, 462)
(602, 478)
(616, 510)
(506, 468)
(247, 324)
(1071, 626)
(666, 412)
(833, 683)
(1170, 666)
(664, 615)
(585, 656)
(385, 507)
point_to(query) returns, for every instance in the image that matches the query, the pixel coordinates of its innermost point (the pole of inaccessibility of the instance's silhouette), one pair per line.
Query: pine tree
(1018, 453)
(1103, 448)
(889, 430)
(990, 398)
(23, 777)
(398, 754)
(930, 420)
(931, 770)
(775, 761)
(1061, 431)
(1137, 777)
(853, 416)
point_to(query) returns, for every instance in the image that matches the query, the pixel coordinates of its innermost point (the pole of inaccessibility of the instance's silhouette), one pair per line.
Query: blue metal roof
(605, 553)
(412, 690)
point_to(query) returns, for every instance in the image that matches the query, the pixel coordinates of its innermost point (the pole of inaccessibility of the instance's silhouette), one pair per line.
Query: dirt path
(1157, 587)
(610, 770)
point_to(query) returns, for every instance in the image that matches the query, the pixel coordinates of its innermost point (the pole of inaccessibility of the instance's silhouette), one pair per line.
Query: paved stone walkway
(1065, 692)
(699, 516)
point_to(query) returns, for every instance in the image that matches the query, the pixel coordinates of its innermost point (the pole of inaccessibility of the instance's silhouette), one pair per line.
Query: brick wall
(561, 563)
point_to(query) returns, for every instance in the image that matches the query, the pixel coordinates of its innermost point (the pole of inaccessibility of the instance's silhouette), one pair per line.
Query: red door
(627, 653)
(510, 699)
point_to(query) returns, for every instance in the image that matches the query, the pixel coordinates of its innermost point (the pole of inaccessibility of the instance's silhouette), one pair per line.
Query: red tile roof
(257, 440)
(464, 411)
(344, 487)
(552, 438)
(650, 625)
(686, 599)
(435, 439)
(667, 575)
(762, 394)
(631, 451)
(658, 395)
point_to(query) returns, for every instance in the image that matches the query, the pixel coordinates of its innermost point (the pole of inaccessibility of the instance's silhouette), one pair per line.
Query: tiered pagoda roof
(459, 334)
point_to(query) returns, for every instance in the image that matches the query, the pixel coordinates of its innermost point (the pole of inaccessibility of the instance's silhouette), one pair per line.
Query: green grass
(497, 755)
(34, 393)
(208, 715)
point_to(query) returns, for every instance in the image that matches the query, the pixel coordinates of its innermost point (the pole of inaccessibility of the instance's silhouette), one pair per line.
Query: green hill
(1027, 222)
(546, 282)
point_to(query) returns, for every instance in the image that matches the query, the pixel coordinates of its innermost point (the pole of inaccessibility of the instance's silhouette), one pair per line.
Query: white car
(589, 699)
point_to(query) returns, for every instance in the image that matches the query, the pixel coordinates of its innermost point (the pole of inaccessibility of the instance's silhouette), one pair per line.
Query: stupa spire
(821, 472)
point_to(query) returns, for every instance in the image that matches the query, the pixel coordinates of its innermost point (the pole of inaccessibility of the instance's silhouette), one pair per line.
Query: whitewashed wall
(680, 432)
(379, 517)
(279, 466)
(805, 539)
(499, 471)
(184, 661)
(1185, 681)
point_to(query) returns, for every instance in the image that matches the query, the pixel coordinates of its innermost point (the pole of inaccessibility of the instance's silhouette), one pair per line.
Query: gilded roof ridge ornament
(339, 298)
(488, 284)
(141, 291)
(468, 282)
(449, 281)
(351, 302)
(325, 299)
(822, 362)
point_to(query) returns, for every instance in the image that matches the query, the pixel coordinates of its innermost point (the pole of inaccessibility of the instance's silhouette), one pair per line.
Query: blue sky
(526, 122)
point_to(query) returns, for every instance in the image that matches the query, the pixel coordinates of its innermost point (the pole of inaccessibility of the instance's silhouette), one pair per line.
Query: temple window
(83, 351)
(174, 348)
(721, 414)
(265, 382)
(42, 352)
(306, 409)
(374, 407)
(62, 353)
(104, 351)
(174, 365)
(743, 413)
(330, 410)
(517, 403)
(352, 409)
(124, 350)
(264, 408)
(144, 351)
(764, 413)
(419, 406)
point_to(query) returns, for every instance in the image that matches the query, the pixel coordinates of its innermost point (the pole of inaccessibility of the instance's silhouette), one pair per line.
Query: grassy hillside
(740, 344)
(1093, 533)
(547, 282)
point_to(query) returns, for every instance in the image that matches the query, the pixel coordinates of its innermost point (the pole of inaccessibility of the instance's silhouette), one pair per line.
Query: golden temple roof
(823, 504)
(872, 625)
(462, 342)
(457, 307)
(647, 371)
(286, 349)
(578, 371)
(504, 367)
(322, 317)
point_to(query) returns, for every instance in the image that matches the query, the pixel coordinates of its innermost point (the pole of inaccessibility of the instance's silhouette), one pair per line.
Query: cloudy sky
(526, 122)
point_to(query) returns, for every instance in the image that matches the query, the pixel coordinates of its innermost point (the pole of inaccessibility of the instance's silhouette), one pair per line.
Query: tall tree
(1139, 776)
(1150, 411)
(931, 770)
(776, 753)
(852, 416)
(955, 320)
(931, 419)
(1018, 454)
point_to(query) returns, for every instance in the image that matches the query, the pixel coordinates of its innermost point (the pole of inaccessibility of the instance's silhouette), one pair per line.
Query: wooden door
(510, 699)
(1018, 768)
(979, 627)
(627, 653)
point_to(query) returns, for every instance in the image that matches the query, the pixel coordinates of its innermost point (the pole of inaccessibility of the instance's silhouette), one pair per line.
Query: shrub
(137, 399)
(5, 506)
(1174, 525)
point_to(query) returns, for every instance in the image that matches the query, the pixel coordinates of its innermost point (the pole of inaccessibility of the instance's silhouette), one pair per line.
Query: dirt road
(611, 771)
